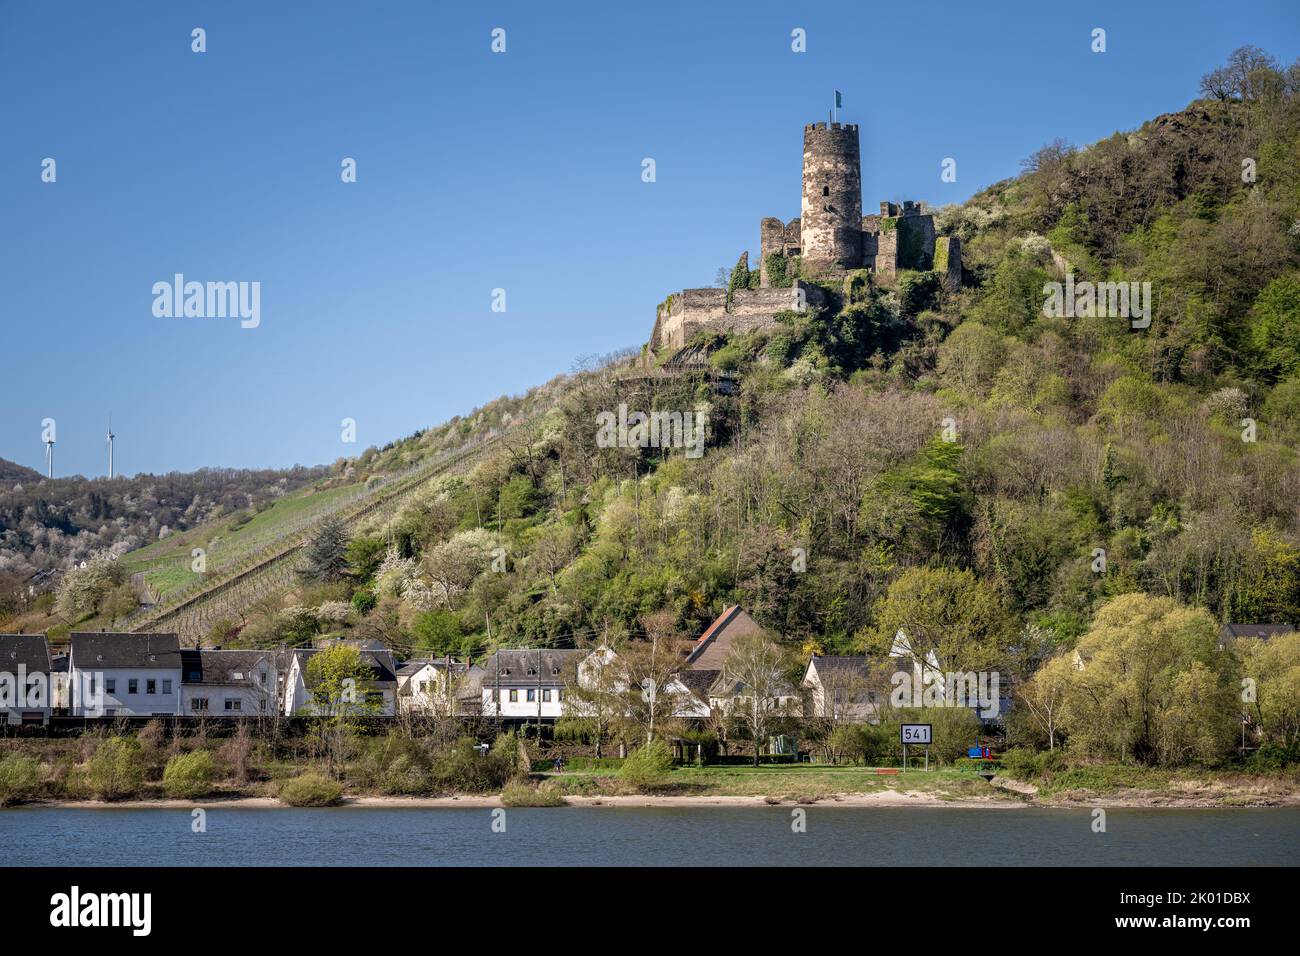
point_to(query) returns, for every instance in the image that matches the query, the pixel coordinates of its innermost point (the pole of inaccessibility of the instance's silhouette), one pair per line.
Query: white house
(124, 675)
(380, 690)
(26, 689)
(217, 683)
(527, 682)
(688, 689)
(844, 688)
(422, 687)
(925, 668)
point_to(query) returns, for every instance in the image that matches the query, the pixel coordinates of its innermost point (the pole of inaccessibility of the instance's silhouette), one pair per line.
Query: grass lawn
(166, 563)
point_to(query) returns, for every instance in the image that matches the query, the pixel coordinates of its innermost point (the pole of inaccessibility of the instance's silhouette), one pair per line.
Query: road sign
(918, 734)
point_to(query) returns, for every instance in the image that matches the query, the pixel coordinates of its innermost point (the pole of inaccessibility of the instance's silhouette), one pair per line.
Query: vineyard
(262, 564)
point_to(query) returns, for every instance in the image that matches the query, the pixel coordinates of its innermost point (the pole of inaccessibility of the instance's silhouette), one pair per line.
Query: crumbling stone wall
(744, 310)
(947, 261)
(776, 238)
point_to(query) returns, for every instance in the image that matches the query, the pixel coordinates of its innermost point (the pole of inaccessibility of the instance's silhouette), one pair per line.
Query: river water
(706, 836)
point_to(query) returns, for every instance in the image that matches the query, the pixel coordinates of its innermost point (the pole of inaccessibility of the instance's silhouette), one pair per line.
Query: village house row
(110, 675)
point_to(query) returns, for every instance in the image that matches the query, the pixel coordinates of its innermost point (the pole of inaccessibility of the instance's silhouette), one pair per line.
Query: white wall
(120, 702)
(522, 707)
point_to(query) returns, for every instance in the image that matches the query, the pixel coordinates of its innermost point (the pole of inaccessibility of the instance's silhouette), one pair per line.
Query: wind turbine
(49, 457)
(110, 447)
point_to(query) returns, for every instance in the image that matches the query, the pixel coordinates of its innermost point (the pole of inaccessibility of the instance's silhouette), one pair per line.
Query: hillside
(11, 472)
(914, 443)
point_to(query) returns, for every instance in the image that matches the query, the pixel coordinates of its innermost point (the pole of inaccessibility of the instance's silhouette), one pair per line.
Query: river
(669, 836)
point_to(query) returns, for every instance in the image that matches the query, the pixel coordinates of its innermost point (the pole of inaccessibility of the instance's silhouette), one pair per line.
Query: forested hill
(913, 450)
(1075, 436)
(11, 471)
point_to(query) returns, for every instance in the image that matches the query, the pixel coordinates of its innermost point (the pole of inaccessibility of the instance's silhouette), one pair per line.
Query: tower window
(826, 190)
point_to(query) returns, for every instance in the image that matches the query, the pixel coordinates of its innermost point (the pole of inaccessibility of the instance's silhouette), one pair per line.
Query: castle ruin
(830, 239)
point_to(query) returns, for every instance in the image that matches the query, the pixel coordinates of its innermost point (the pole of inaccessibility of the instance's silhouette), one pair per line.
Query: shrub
(404, 776)
(311, 790)
(116, 770)
(520, 794)
(189, 775)
(647, 764)
(1271, 758)
(462, 768)
(1023, 763)
(20, 777)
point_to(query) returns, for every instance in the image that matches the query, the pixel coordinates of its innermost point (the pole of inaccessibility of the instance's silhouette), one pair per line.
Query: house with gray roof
(124, 675)
(378, 693)
(528, 682)
(1229, 634)
(26, 687)
(234, 683)
(423, 684)
(847, 688)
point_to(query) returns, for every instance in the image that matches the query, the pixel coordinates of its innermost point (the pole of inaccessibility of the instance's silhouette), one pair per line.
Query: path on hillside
(231, 593)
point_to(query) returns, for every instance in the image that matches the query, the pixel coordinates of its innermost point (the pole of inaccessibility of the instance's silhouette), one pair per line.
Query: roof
(382, 666)
(519, 665)
(413, 667)
(417, 664)
(1231, 632)
(28, 651)
(221, 667)
(105, 649)
(698, 681)
(711, 648)
(850, 664)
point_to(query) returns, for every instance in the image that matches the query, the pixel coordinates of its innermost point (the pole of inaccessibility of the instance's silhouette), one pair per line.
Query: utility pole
(654, 682)
(539, 698)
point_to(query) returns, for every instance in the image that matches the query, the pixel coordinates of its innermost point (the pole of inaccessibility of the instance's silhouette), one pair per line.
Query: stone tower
(830, 223)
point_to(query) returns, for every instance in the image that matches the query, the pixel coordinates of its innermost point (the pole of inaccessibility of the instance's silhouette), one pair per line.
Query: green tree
(1148, 685)
(1275, 326)
(325, 558)
(952, 613)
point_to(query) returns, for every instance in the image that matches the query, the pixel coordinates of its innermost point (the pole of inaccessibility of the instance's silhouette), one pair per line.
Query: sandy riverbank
(881, 798)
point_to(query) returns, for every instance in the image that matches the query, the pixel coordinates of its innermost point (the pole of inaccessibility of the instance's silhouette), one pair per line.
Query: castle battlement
(830, 238)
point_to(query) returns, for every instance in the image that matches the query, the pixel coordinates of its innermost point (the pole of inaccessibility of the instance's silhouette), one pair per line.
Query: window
(514, 696)
(826, 190)
(234, 704)
(532, 695)
(546, 696)
(198, 704)
(91, 683)
(132, 685)
(110, 686)
(151, 686)
(167, 686)
(559, 693)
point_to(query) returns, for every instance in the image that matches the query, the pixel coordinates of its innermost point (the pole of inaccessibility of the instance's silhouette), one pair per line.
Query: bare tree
(756, 672)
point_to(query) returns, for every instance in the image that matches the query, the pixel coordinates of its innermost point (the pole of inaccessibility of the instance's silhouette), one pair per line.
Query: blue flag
(839, 102)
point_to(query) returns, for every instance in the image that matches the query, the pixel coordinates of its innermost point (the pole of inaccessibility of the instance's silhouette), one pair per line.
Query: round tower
(830, 224)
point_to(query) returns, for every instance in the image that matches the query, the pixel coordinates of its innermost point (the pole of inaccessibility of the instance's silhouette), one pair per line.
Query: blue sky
(475, 171)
